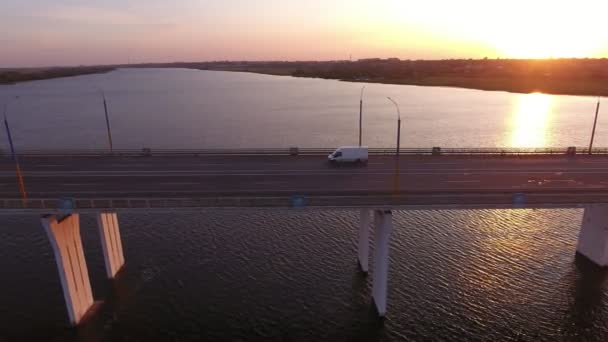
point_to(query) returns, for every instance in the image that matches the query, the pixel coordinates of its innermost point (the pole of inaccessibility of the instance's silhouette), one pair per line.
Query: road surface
(258, 176)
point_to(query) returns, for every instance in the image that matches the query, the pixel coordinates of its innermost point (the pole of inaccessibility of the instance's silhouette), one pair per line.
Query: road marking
(129, 165)
(81, 184)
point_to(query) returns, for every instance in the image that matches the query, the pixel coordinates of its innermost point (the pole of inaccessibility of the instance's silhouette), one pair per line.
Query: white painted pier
(64, 236)
(111, 243)
(593, 237)
(383, 226)
(592, 244)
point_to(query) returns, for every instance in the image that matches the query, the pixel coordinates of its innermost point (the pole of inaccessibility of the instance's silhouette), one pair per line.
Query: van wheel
(358, 161)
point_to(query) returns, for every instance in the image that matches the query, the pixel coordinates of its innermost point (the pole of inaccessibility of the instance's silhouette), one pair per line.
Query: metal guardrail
(492, 151)
(473, 199)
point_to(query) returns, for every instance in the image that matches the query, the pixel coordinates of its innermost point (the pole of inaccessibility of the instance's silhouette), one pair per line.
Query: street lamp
(398, 125)
(8, 131)
(105, 108)
(13, 154)
(597, 111)
(361, 115)
(398, 145)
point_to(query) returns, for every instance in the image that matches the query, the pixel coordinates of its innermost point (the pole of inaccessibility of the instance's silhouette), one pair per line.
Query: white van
(349, 154)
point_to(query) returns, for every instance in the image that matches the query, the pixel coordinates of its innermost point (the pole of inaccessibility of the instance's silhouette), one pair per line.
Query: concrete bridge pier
(593, 237)
(363, 246)
(64, 235)
(111, 243)
(383, 226)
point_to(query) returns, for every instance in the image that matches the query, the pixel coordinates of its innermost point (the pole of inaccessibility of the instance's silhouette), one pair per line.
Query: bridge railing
(492, 151)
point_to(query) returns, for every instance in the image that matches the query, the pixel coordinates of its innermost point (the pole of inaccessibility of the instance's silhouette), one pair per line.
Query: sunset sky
(72, 32)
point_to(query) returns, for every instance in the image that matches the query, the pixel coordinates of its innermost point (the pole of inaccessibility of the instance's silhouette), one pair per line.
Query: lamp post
(105, 108)
(14, 154)
(597, 111)
(398, 126)
(398, 146)
(361, 115)
(8, 130)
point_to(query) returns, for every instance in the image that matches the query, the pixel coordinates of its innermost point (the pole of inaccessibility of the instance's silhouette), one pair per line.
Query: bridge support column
(383, 226)
(110, 242)
(593, 237)
(64, 236)
(363, 247)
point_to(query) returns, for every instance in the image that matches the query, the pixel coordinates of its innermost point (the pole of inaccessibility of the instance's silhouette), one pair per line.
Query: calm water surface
(290, 275)
(179, 108)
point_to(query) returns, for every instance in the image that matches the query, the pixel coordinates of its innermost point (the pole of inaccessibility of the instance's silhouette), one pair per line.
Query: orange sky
(64, 32)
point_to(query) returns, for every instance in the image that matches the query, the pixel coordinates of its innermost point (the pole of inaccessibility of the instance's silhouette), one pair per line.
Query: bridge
(61, 184)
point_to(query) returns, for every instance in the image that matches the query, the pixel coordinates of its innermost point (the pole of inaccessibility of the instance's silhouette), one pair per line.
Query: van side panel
(352, 154)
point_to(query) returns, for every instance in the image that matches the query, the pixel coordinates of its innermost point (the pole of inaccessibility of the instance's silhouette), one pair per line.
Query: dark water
(227, 275)
(291, 275)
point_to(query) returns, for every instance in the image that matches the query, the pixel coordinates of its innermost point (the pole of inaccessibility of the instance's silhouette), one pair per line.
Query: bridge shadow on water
(363, 323)
(585, 319)
(118, 293)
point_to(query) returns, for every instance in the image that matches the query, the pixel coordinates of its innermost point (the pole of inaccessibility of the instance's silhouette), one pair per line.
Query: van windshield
(337, 154)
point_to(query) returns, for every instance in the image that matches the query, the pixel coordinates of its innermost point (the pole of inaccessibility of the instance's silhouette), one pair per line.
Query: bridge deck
(260, 181)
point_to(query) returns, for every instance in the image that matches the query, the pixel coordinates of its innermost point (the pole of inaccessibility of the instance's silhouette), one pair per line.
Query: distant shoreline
(576, 77)
(13, 76)
(473, 84)
(506, 86)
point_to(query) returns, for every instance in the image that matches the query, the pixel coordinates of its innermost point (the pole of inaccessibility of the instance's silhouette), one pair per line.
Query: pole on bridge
(597, 110)
(398, 137)
(398, 144)
(14, 156)
(105, 108)
(361, 115)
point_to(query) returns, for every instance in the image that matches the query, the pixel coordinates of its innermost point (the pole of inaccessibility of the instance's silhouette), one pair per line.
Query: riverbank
(521, 86)
(583, 77)
(11, 76)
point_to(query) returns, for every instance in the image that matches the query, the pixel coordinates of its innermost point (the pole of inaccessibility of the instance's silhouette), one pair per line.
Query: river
(291, 275)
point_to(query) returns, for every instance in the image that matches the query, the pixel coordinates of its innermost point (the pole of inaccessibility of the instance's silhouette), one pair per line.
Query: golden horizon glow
(517, 29)
(545, 31)
(59, 33)
(530, 121)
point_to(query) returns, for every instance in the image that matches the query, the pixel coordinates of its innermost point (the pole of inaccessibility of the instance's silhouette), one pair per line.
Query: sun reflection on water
(530, 122)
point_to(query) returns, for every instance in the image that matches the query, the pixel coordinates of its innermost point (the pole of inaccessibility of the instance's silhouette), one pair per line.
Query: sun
(543, 43)
(544, 29)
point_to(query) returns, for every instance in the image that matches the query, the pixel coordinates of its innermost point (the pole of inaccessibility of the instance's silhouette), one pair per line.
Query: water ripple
(292, 275)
